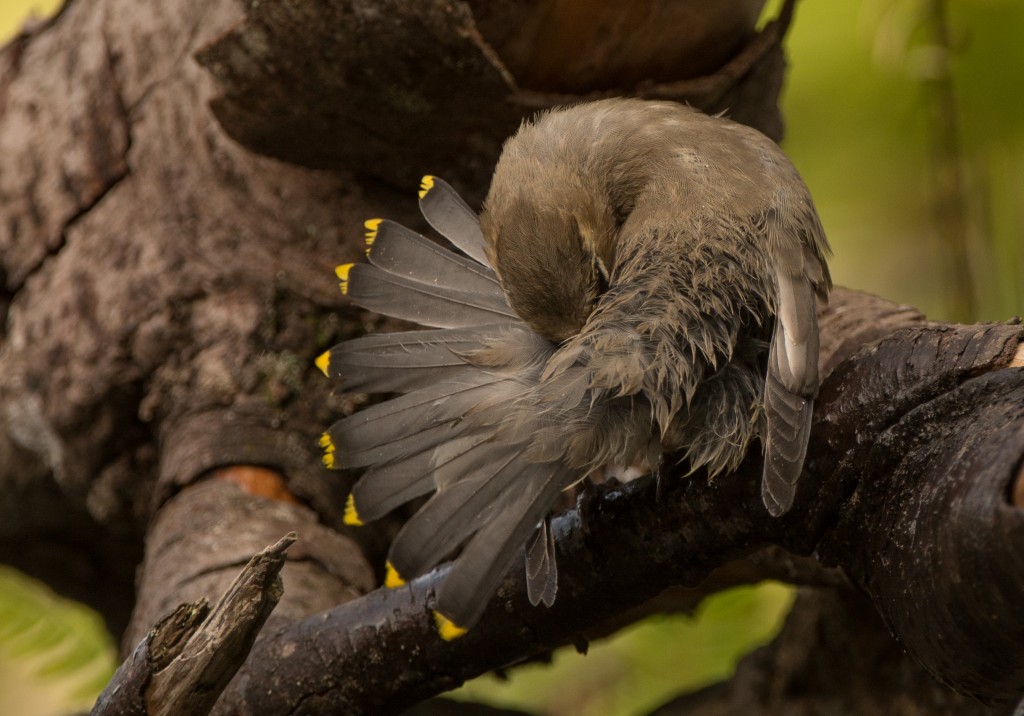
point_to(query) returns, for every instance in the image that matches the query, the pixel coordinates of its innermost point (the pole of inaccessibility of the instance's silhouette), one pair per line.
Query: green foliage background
(55, 655)
(861, 127)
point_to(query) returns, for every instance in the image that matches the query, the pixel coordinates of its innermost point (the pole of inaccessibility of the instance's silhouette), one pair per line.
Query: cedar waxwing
(642, 280)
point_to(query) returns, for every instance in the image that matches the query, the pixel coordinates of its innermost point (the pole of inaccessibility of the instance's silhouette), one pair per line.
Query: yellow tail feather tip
(392, 580)
(328, 460)
(371, 232)
(325, 442)
(448, 629)
(426, 184)
(351, 514)
(342, 273)
(323, 363)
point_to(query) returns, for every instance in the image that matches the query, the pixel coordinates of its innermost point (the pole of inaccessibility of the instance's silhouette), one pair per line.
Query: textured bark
(191, 683)
(178, 180)
(431, 92)
(184, 663)
(166, 293)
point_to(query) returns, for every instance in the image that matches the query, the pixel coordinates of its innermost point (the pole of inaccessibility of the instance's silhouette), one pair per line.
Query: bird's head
(553, 251)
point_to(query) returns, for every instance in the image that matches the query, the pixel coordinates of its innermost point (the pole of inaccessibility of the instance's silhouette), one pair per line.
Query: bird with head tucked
(642, 281)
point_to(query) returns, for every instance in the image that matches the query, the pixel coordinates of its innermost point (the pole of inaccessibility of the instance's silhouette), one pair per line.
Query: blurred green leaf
(55, 654)
(859, 130)
(646, 664)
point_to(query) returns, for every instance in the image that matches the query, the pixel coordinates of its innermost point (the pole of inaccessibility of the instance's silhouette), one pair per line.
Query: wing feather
(792, 381)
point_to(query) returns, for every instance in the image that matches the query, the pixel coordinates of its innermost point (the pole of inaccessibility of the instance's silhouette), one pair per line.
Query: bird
(641, 282)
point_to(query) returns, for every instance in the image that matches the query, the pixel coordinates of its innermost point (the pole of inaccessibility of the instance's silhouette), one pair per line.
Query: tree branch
(447, 89)
(187, 659)
(624, 545)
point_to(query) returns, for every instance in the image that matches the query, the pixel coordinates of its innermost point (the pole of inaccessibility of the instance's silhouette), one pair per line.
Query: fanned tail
(449, 432)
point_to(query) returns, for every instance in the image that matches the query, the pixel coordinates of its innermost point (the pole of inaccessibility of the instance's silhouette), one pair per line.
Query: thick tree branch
(447, 89)
(624, 545)
(929, 531)
(204, 534)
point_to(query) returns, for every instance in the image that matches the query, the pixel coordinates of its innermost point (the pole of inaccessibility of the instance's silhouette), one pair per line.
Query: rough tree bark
(178, 180)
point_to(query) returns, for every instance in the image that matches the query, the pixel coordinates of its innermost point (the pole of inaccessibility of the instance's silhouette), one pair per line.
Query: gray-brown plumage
(654, 287)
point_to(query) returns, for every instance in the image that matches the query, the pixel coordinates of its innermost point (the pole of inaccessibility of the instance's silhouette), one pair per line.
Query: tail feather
(403, 252)
(432, 305)
(405, 361)
(401, 448)
(377, 494)
(408, 414)
(456, 512)
(450, 216)
(498, 543)
(383, 488)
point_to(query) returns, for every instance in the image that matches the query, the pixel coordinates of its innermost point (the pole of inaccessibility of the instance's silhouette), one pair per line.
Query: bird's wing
(792, 381)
